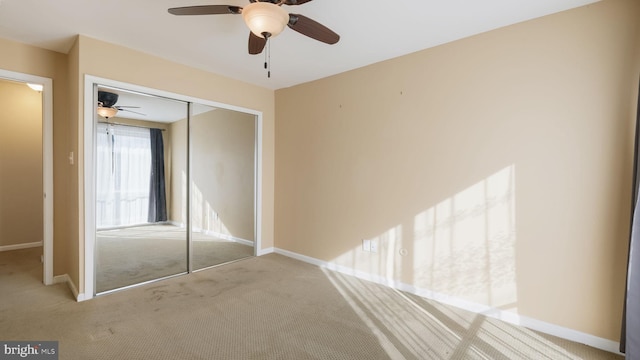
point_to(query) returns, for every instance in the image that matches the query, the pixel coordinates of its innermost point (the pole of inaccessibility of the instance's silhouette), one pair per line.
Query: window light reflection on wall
(36, 87)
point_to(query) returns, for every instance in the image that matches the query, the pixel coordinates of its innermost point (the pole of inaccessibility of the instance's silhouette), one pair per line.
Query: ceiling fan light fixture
(265, 17)
(107, 112)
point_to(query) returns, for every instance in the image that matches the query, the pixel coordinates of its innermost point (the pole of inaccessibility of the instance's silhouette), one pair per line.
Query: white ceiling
(140, 106)
(146, 107)
(370, 30)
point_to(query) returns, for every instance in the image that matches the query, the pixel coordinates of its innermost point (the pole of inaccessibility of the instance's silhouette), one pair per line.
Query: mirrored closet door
(174, 187)
(222, 185)
(137, 236)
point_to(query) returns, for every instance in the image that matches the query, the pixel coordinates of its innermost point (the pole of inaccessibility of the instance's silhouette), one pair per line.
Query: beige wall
(21, 203)
(114, 62)
(223, 169)
(222, 148)
(633, 105)
(178, 177)
(494, 169)
(72, 209)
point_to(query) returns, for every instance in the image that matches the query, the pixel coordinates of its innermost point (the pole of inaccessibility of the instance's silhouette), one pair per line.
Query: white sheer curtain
(123, 175)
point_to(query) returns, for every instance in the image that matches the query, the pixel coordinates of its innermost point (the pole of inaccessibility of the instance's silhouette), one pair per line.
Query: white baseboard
(20, 246)
(266, 251)
(176, 223)
(225, 237)
(65, 278)
(242, 241)
(215, 234)
(506, 316)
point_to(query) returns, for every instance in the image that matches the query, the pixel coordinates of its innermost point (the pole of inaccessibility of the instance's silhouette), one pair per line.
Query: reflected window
(123, 172)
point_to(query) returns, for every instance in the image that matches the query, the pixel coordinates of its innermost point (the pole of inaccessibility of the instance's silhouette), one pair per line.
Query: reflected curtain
(123, 165)
(157, 194)
(630, 339)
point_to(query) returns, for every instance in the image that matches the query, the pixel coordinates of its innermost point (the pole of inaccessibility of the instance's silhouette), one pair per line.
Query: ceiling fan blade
(131, 111)
(296, 2)
(312, 29)
(206, 10)
(256, 43)
(120, 107)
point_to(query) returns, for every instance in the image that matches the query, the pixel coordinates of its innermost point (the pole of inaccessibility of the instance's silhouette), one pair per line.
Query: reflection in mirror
(222, 185)
(137, 236)
(161, 173)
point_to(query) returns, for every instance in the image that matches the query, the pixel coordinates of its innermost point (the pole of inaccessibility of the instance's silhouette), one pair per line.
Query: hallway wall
(21, 204)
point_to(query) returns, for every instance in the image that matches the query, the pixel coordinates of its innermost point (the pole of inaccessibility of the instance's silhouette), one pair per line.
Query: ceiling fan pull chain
(267, 57)
(269, 52)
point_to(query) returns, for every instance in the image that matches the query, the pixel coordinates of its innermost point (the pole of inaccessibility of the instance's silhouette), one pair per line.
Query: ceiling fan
(266, 19)
(107, 105)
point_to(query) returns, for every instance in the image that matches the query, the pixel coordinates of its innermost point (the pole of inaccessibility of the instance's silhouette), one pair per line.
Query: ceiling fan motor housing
(107, 99)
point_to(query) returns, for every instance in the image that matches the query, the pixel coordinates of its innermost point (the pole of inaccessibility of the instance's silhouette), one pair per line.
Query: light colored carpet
(138, 254)
(268, 307)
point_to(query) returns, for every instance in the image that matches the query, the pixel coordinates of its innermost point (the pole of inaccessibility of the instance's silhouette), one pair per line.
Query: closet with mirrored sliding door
(173, 185)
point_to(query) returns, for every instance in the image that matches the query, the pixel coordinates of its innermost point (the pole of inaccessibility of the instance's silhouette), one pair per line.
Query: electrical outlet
(366, 245)
(374, 245)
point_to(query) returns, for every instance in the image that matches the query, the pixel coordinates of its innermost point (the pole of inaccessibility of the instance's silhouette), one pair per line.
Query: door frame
(88, 135)
(47, 165)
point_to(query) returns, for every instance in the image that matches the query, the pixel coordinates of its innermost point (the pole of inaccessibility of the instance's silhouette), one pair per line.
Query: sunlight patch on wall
(204, 218)
(196, 206)
(183, 197)
(462, 247)
(212, 221)
(382, 262)
(388, 243)
(465, 245)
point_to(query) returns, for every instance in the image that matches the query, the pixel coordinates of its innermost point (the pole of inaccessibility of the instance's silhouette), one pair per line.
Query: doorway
(40, 207)
(199, 213)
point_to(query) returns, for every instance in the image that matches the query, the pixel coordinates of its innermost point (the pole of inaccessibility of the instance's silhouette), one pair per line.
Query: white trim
(47, 165)
(506, 316)
(89, 189)
(87, 178)
(265, 251)
(242, 241)
(224, 236)
(65, 278)
(257, 246)
(20, 246)
(60, 278)
(175, 223)
(47, 158)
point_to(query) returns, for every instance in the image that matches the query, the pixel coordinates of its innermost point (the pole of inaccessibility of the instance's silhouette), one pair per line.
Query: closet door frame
(87, 176)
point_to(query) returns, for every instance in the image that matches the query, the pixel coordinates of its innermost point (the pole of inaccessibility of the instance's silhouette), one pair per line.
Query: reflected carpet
(137, 254)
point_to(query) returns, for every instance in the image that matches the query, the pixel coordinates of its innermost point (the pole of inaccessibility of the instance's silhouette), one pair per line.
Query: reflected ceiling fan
(266, 19)
(107, 107)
